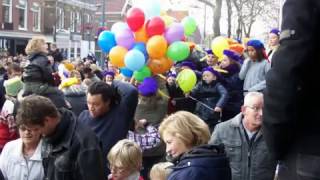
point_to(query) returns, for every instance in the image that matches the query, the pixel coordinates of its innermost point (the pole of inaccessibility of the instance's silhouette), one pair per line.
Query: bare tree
(216, 18)
(248, 11)
(271, 18)
(229, 6)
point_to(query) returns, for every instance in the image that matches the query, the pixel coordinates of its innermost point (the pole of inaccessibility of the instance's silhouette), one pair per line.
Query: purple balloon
(125, 38)
(174, 33)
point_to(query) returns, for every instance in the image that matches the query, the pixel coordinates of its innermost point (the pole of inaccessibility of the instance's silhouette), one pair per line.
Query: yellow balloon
(117, 55)
(186, 80)
(168, 20)
(218, 45)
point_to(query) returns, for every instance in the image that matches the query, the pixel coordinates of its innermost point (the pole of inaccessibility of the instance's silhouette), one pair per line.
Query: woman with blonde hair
(186, 137)
(37, 75)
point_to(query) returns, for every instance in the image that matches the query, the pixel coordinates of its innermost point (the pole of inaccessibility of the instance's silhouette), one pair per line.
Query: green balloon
(186, 79)
(189, 25)
(178, 51)
(142, 73)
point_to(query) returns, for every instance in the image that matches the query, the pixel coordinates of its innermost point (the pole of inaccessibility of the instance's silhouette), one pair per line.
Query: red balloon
(155, 26)
(135, 19)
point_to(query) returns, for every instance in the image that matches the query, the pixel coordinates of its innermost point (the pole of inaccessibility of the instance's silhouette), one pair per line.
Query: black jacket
(72, 152)
(39, 70)
(291, 112)
(206, 162)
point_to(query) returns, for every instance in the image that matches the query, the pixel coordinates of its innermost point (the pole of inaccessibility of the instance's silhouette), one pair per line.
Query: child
(211, 97)
(255, 68)
(125, 160)
(109, 77)
(161, 171)
(231, 63)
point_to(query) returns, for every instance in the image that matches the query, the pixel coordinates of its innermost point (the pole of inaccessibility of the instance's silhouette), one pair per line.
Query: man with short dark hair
(70, 150)
(110, 111)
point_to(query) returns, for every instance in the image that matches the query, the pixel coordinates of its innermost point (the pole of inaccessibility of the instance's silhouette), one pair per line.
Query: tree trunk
(229, 16)
(216, 18)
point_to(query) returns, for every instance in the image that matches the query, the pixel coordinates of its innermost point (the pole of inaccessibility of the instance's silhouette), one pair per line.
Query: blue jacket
(114, 125)
(213, 95)
(205, 162)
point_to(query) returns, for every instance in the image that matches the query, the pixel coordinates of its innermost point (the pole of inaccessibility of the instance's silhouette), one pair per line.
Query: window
(7, 11)
(22, 6)
(60, 16)
(87, 18)
(78, 21)
(72, 21)
(36, 16)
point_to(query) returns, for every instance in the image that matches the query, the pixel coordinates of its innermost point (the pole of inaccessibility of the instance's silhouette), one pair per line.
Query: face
(210, 59)
(252, 52)
(97, 107)
(253, 112)
(119, 173)
(30, 134)
(44, 47)
(273, 39)
(208, 77)
(109, 79)
(171, 80)
(225, 62)
(174, 145)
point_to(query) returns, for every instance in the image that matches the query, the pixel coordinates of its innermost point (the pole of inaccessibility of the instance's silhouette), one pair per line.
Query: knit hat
(209, 51)
(256, 44)
(210, 69)
(233, 55)
(275, 31)
(189, 64)
(148, 87)
(13, 86)
(111, 73)
(171, 74)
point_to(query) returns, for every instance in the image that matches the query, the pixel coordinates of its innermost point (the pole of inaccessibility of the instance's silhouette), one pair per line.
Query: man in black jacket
(70, 150)
(291, 123)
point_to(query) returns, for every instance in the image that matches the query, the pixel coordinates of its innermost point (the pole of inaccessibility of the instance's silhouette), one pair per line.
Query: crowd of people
(63, 119)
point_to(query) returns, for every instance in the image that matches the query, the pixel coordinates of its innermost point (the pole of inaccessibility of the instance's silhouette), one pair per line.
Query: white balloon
(119, 26)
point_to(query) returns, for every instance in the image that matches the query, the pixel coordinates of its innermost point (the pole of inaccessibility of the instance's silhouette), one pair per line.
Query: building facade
(68, 23)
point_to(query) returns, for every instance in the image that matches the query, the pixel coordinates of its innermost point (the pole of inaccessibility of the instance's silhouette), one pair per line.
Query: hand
(173, 102)
(217, 109)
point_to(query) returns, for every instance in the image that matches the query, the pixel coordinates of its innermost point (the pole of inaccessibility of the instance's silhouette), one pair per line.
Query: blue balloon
(126, 72)
(106, 41)
(134, 60)
(142, 48)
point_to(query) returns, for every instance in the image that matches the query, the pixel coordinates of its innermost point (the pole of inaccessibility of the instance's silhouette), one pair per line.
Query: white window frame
(78, 21)
(36, 9)
(72, 21)
(10, 9)
(25, 3)
(60, 16)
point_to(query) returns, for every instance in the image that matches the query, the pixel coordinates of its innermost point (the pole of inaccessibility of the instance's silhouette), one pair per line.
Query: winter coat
(76, 96)
(39, 70)
(247, 162)
(72, 152)
(205, 162)
(213, 95)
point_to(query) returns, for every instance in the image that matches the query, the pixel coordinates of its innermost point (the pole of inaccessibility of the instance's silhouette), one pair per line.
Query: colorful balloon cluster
(147, 43)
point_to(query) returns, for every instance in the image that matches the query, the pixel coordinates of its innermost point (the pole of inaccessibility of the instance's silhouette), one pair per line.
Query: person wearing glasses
(244, 142)
(21, 158)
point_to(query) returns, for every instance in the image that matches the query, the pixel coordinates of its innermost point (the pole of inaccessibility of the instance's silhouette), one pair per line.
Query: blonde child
(125, 161)
(161, 171)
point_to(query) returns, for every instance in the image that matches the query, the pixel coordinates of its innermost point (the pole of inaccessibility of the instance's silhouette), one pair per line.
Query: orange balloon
(157, 46)
(231, 41)
(237, 48)
(116, 56)
(160, 66)
(141, 35)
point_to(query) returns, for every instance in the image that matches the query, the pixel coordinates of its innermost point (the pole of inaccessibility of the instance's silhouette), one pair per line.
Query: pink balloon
(155, 26)
(174, 33)
(125, 38)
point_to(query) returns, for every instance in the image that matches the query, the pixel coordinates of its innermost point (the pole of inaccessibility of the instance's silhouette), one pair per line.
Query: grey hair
(250, 96)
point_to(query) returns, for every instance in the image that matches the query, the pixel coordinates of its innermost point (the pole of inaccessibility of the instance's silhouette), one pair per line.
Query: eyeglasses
(255, 109)
(24, 128)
